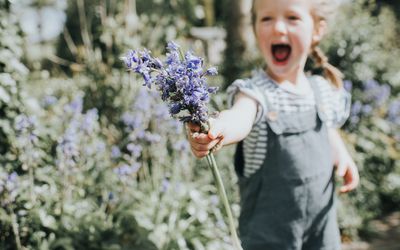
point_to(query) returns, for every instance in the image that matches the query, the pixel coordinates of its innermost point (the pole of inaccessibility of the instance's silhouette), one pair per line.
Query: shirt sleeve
(250, 89)
(336, 103)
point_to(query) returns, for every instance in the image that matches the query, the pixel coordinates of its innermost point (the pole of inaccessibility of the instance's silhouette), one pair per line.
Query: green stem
(15, 226)
(221, 189)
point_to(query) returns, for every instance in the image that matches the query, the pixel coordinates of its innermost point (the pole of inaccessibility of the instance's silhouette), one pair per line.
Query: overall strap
(280, 122)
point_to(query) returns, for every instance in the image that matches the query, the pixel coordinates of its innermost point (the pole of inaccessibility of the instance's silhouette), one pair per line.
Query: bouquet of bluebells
(181, 81)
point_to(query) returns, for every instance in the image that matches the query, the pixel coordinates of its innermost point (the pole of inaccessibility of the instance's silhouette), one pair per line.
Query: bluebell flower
(69, 143)
(212, 71)
(49, 100)
(356, 108)
(135, 150)
(165, 185)
(126, 169)
(89, 120)
(180, 81)
(24, 123)
(75, 107)
(9, 184)
(394, 112)
(367, 109)
(152, 138)
(161, 112)
(348, 85)
(175, 108)
(115, 152)
(172, 46)
(376, 93)
(214, 200)
(132, 121)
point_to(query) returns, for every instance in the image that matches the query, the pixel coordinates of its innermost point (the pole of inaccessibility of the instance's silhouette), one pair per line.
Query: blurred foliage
(363, 43)
(89, 161)
(94, 163)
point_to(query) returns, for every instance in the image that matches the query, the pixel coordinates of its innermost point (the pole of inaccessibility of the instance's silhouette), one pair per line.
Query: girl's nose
(280, 27)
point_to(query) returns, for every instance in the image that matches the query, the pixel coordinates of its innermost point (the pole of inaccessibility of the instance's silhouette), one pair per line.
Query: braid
(331, 72)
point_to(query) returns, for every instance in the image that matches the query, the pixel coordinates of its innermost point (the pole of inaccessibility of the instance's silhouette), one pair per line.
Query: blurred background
(91, 160)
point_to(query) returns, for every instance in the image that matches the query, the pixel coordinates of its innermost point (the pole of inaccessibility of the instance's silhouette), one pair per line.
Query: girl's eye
(293, 18)
(266, 19)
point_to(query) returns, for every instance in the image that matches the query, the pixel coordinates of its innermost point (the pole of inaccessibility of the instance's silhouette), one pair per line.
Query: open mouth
(281, 52)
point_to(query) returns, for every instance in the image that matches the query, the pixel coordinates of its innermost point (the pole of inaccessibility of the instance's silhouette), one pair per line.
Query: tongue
(281, 52)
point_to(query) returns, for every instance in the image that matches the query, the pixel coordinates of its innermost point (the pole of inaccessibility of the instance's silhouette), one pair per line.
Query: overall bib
(289, 202)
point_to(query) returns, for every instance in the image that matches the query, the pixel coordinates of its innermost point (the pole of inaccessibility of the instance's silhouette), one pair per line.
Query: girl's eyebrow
(294, 9)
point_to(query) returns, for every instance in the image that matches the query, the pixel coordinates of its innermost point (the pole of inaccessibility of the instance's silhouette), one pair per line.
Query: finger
(216, 130)
(218, 145)
(204, 147)
(200, 154)
(351, 180)
(200, 138)
(341, 169)
(192, 127)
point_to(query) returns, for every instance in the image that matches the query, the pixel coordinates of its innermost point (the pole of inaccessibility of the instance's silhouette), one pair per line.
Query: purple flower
(25, 123)
(356, 108)
(165, 185)
(162, 112)
(49, 100)
(152, 138)
(367, 109)
(214, 200)
(172, 46)
(374, 92)
(180, 81)
(348, 85)
(126, 169)
(8, 188)
(115, 152)
(75, 107)
(69, 143)
(193, 62)
(135, 150)
(89, 120)
(212, 71)
(131, 120)
(175, 108)
(394, 112)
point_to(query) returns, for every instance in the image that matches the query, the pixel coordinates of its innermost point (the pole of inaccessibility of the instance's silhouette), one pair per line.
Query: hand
(347, 169)
(201, 143)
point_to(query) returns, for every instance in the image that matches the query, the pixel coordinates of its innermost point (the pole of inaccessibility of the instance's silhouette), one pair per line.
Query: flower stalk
(222, 193)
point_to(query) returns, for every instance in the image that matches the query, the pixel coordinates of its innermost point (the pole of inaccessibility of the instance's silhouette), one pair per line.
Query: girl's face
(285, 31)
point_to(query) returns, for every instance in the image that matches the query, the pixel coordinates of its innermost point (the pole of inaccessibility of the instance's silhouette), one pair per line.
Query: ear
(319, 31)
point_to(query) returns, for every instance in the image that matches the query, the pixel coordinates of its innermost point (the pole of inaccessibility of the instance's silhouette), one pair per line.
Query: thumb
(216, 129)
(341, 169)
(192, 127)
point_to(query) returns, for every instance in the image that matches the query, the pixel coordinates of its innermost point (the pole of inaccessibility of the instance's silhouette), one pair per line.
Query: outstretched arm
(345, 165)
(232, 125)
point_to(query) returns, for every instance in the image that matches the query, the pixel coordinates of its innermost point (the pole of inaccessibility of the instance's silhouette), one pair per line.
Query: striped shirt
(335, 105)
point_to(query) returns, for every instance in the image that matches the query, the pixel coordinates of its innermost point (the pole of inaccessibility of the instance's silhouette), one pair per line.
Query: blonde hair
(323, 10)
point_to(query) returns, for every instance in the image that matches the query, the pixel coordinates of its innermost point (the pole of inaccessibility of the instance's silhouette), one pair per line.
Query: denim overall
(289, 202)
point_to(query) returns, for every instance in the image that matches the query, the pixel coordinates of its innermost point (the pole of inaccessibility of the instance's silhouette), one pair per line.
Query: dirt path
(387, 235)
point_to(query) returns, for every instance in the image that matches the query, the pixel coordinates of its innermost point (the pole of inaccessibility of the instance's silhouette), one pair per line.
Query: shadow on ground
(386, 237)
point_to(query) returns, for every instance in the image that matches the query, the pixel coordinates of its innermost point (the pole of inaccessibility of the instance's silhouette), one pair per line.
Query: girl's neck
(294, 78)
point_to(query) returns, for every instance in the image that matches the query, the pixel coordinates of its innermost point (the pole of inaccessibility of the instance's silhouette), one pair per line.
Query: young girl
(286, 121)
